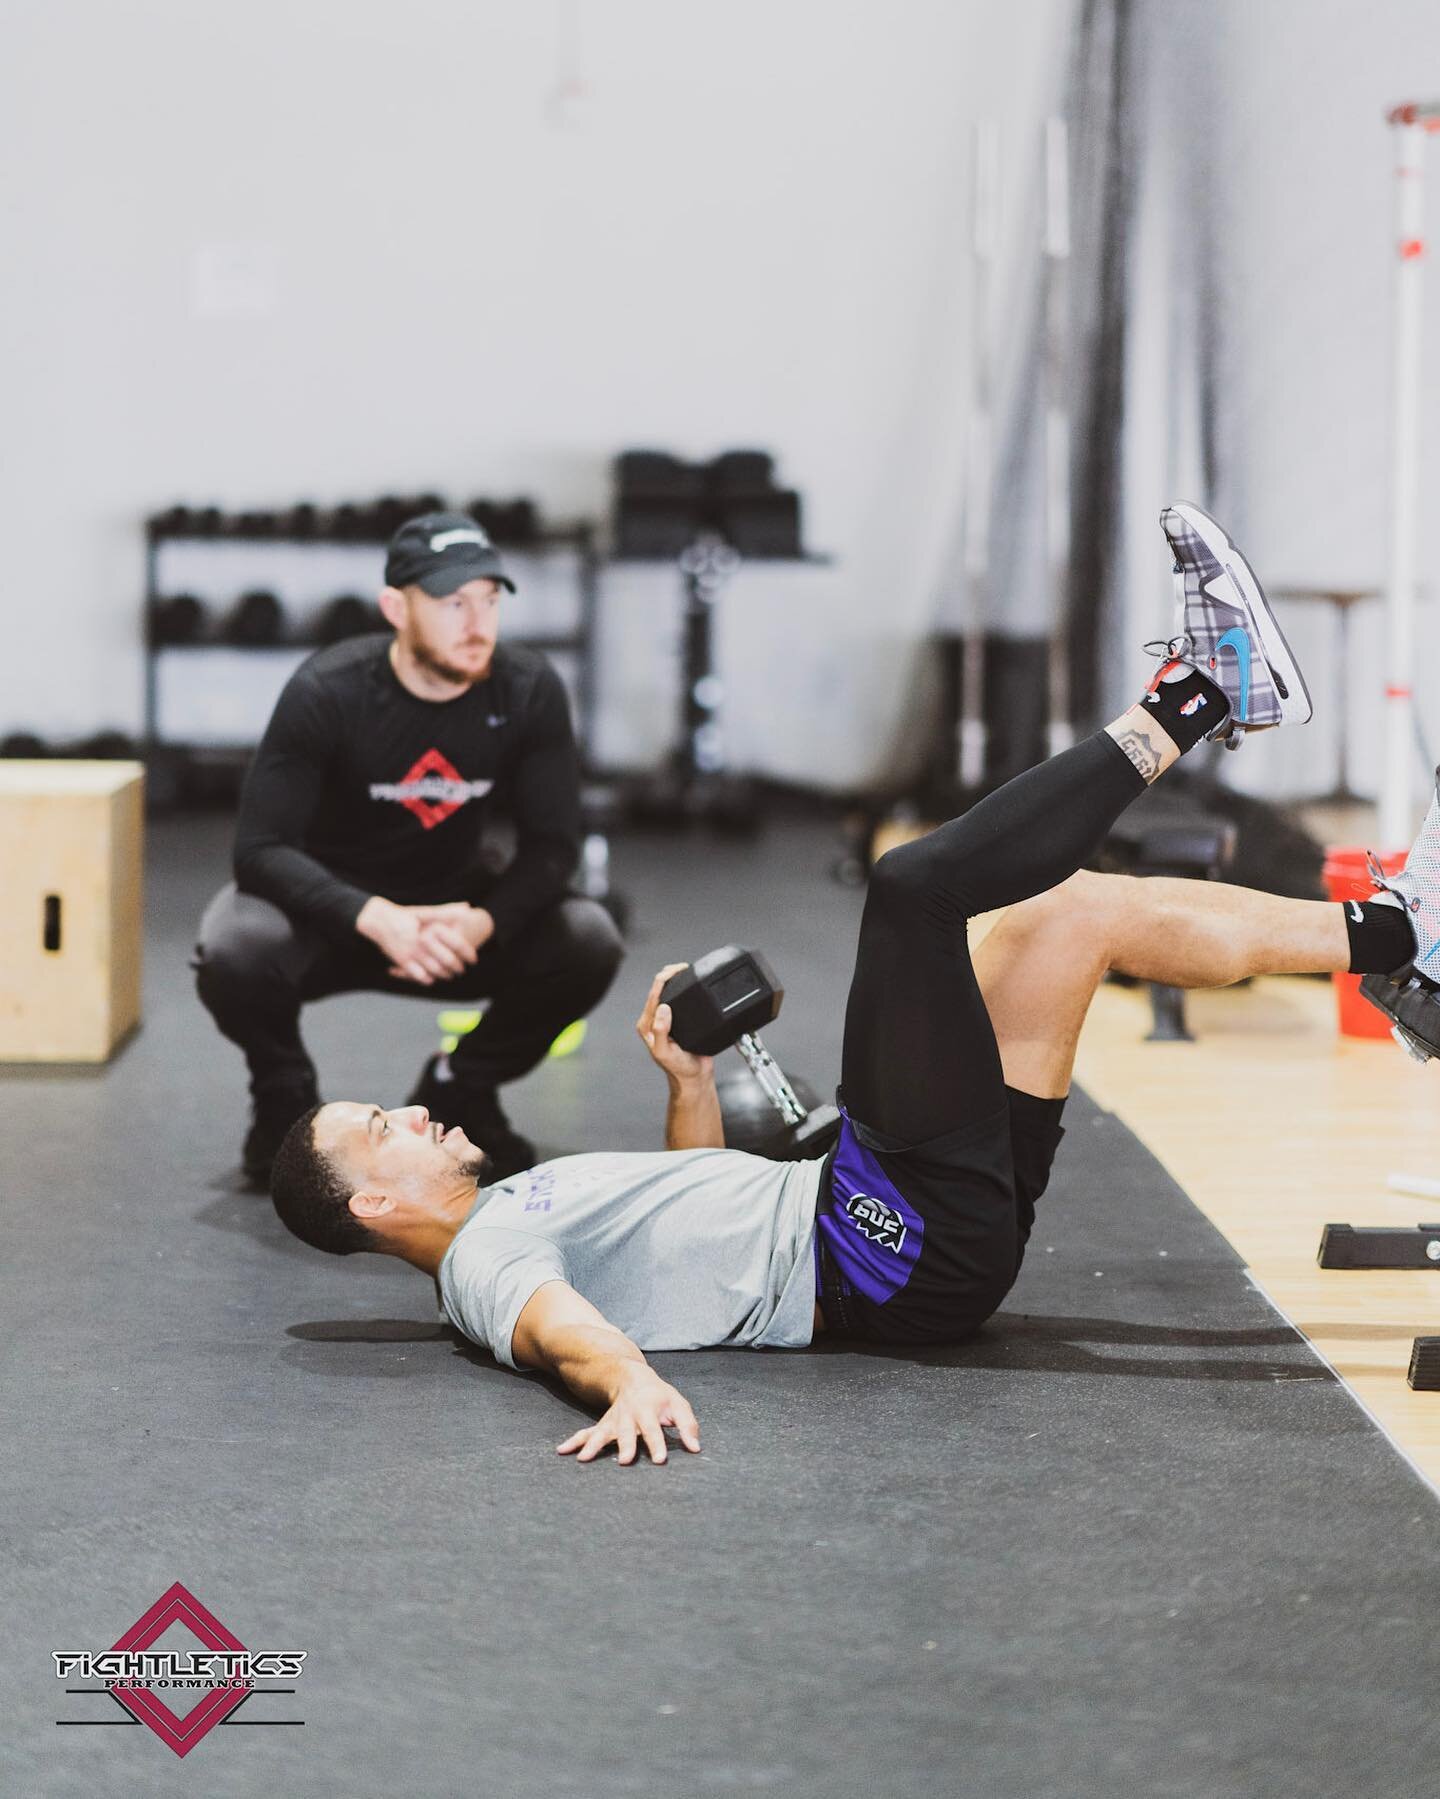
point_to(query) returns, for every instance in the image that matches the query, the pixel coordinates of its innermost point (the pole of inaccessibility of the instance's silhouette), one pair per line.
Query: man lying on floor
(953, 1079)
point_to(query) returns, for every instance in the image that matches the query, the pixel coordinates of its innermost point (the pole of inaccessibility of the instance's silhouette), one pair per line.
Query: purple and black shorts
(920, 1245)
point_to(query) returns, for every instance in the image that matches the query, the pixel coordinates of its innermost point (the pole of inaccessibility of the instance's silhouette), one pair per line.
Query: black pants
(255, 970)
(933, 1186)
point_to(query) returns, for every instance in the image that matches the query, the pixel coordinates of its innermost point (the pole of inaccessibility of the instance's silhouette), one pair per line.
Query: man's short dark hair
(311, 1195)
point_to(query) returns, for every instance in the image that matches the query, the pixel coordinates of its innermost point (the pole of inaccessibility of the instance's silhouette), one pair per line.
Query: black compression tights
(920, 1059)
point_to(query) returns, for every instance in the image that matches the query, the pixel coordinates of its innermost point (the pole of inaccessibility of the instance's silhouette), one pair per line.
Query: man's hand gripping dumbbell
(692, 1013)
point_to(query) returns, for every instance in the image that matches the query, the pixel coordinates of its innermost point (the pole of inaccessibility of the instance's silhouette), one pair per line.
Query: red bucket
(1347, 877)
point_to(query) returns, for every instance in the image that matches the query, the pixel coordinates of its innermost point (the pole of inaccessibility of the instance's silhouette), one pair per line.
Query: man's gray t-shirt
(680, 1249)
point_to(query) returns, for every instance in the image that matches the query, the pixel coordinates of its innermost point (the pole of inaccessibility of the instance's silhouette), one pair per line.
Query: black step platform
(1380, 1246)
(1424, 1375)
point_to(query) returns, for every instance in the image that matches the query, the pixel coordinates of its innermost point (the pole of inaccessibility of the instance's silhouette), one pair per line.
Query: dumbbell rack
(705, 519)
(696, 785)
(580, 641)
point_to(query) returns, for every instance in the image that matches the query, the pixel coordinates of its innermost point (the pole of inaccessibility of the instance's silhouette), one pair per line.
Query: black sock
(1188, 708)
(1381, 939)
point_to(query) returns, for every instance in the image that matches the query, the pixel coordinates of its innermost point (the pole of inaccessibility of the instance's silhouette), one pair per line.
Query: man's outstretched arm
(562, 1333)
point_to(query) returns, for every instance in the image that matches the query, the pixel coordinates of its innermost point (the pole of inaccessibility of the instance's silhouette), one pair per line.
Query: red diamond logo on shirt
(432, 812)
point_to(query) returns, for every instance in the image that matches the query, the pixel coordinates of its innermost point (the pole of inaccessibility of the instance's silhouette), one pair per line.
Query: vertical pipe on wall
(1396, 788)
(984, 230)
(1060, 714)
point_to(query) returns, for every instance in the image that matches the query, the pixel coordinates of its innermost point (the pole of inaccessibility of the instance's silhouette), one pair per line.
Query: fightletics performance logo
(433, 789)
(222, 1670)
(214, 1668)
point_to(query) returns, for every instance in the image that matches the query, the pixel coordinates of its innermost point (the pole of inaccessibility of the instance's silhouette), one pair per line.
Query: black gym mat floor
(1133, 1541)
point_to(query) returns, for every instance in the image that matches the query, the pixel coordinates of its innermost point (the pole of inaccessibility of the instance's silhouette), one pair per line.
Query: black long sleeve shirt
(359, 787)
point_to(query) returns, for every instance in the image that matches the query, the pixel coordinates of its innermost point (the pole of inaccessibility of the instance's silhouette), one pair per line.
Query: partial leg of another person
(1038, 968)
(251, 970)
(555, 970)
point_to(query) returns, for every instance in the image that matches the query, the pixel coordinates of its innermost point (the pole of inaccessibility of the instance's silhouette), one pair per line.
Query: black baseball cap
(440, 551)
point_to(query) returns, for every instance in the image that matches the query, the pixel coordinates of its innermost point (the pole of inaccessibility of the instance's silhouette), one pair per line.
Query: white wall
(1270, 121)
(748, 229)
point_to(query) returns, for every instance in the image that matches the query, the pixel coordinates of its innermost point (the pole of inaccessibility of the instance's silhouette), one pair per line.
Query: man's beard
(474, 1165)
(436, 665)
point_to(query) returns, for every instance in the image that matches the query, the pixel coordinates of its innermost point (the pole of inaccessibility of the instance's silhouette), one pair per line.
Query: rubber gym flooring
(1134, 1540)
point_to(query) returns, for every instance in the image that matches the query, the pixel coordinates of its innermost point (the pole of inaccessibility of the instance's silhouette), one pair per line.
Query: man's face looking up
(402, 1151)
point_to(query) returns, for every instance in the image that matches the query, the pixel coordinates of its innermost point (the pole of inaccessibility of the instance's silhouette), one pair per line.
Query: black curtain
(1104, 136)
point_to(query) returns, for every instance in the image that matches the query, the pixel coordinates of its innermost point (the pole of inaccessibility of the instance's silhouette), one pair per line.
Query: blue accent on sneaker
(1238, 639)
(1219, 603)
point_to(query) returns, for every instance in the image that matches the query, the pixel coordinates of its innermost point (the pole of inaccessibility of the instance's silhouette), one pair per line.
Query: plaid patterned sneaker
(1224, 628)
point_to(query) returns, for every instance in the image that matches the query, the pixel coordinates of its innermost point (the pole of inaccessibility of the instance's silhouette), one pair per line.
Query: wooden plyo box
(71, 885)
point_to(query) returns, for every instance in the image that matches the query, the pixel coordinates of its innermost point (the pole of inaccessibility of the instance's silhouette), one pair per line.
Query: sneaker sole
(1296, 706)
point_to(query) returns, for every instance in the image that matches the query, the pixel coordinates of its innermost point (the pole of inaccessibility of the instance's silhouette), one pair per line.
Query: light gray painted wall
(1269, 120)
(748, 228)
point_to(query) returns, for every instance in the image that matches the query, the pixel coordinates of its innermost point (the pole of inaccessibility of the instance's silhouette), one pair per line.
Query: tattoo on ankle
(1141, 752)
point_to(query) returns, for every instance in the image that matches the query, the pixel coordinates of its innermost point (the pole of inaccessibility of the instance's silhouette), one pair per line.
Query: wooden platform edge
(1350, 1111)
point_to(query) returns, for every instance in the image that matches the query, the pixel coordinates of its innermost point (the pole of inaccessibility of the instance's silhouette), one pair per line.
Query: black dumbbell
(175, 521)
(761, 524)
(347, 615)
(654, 473)
(722, 1000)
(483, 512)
(255, 621)
(350, 523)
(518, 522)
(107, 746)
(742, 472)
(390, 511)
(180, 618)
(751, 1121)
(23, 746)
(511, 522)
(724, 996)
(655, 527)
(301, 522)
